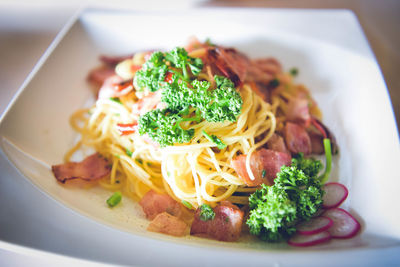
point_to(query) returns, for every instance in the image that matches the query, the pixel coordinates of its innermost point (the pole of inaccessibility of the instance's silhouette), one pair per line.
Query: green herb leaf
(263, 173)
(294, 197)
(187, 98)
(187, 204)
(128, 152)
(206, 212)
(208, 42)
(116, 99)
(294, 71)
(215, 140)
(274, 83)
(114, 199)
(309, 166)
(328, 156)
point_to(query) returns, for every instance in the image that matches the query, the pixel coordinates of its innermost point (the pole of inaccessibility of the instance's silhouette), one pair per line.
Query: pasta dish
(197, 132)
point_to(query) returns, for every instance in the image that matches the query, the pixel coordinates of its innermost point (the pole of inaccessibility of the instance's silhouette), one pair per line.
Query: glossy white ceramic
(335, 63)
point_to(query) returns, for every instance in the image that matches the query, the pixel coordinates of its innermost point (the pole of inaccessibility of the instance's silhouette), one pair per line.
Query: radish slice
(314, 226)
(335, 194)
(299, 240)
(344, 224)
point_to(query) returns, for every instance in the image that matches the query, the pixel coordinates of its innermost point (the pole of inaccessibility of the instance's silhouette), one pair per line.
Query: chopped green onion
(140, 161)
(206, 212)
(264, 172)
(129, 153)
(215, 140)
(114, 199)
(274, 83)
(187, 204)
(116, 99)
(208, 42)
(328, 155)
(294, 71)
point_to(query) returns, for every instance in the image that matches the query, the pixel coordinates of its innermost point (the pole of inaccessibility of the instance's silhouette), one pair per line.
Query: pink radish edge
(315, 225)
(344, 224)
(332, 198)
(299, 240)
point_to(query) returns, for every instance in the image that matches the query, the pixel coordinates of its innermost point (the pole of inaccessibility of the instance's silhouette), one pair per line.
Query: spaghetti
(196, 172)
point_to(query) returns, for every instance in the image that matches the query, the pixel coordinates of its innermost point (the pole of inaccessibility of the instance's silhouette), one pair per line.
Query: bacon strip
(264, 163)
(317, 136)
(165, 223)
(98, 76)
(229, 62)
(298, 111)
(297, 139)
(277, 143)
(226, 225)
(115, 86)
(91, 168)
(263, 70)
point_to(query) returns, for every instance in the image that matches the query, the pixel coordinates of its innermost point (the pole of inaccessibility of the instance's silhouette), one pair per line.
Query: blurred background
(28, 27)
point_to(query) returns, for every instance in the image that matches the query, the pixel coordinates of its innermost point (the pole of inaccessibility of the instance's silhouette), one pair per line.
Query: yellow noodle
(197, 172)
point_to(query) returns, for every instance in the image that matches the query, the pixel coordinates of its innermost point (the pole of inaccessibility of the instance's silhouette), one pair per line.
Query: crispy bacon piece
(115, 86)
(165, 223)
(229, 62)
(263, 70)
(264, 163)
(277, 143)
(226, 225)
(298, 110)
(317, 146)
(261, 90)
(318, 131)
(91, 168)
(98, 76)
(154, 204)
(297, 138)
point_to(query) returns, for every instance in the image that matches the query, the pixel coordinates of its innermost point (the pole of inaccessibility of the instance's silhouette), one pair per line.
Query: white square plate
(335, 62)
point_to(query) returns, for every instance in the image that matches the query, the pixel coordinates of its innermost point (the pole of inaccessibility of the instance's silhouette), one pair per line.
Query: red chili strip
(127, 128)
(123, 86)
(168, 77)
(319, 127)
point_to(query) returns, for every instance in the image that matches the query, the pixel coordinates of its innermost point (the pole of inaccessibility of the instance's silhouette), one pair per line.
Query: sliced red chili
(319, 127)
(168, 77)
(127, 128)
(125, 85)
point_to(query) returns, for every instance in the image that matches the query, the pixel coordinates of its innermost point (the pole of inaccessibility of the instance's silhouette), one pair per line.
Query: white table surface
(27, 29)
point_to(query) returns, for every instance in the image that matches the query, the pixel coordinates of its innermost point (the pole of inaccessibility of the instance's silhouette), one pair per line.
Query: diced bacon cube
(154, 204)
(297, 138)
(165, 223)
(226, 225)
(264, 164)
